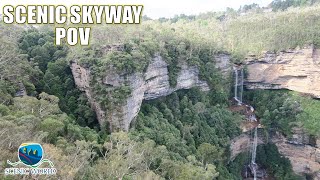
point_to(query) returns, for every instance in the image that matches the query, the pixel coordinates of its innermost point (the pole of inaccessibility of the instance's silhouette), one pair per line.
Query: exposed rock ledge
(297, 70)
(241, 144)
(152, 84)
(303, 157)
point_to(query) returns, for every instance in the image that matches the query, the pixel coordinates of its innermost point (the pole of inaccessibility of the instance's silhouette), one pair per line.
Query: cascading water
(241, 86)
(252, 117)
(236, 84)
(238, 96)
(254, 153)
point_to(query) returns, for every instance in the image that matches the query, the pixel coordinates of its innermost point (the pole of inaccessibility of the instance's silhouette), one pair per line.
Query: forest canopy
(185, 135)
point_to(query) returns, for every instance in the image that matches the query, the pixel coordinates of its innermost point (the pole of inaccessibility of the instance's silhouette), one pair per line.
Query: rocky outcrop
(82, 80)
(222, 61)
(240, 144)
(297, 69)
(305, 159)
(299, 136)
(157, 79)
(22, 90)
(151, 84)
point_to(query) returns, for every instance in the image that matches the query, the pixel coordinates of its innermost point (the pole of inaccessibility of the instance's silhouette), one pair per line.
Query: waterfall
(254, 146)
(254, 153)
(251, 109)
(253, 141)
(238, 95)
(241, 85)
(236, 85)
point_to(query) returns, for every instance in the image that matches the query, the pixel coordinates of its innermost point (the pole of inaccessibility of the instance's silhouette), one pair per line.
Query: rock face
(22, 90)
(157, 79)
(305, 159)
(152, 84)
(297, 70)
(241, 144)
(82, 80)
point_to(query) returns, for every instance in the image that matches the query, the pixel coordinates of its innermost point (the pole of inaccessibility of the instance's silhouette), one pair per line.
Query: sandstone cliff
(296, 69)
(241, 144)
(151, 84)
(303, 157)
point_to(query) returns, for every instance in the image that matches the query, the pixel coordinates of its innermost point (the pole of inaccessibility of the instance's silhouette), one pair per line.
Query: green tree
(53, 126)
(208, 153)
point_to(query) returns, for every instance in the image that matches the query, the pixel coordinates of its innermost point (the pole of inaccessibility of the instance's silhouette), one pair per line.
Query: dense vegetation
(133, 54)
(56, 77)
(202, 125)
(191, 127)
(309, 118)
(285, 4)
(277, 109)
(138, 154)
(183, 136)
(269, 157)
(282, 110)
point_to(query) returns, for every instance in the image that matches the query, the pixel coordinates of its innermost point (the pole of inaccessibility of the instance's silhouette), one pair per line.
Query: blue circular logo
(30, 153)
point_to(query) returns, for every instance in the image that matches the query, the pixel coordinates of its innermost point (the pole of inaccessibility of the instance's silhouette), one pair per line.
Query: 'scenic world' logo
(32, 156)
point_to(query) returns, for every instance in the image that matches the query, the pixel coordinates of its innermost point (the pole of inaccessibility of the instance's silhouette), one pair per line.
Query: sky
(153, 8)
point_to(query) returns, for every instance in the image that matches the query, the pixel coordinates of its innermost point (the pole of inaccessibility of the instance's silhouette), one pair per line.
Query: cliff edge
(151, 84)
(296, 69)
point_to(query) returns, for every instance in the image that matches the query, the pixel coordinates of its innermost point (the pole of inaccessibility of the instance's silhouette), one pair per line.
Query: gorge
(269, 71)
(220, 95)
(296, 70)
(154, 83)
